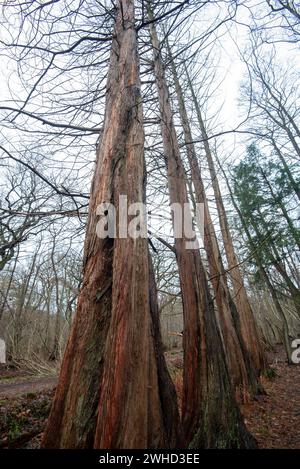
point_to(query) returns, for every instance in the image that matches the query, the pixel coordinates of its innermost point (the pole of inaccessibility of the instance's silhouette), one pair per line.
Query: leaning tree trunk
(109, 392)
(248, 328)
(242, 373)
(262, 271)
(166, 386)
(275, 258)
(210, 415)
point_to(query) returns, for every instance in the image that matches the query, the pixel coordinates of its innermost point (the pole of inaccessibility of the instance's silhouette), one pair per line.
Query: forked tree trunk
(247, 324)
(210, 415)
(109, 392)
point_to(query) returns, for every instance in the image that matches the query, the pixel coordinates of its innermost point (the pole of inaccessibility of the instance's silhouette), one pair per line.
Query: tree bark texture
(205, 378)
(242, 374)
(247, 324)
(110, 393)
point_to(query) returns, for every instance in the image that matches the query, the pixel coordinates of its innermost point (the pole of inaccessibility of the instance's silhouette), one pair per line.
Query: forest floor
(13, 388)
(274, 418)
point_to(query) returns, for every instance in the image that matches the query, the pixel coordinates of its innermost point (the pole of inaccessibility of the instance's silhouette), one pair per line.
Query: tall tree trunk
(276, 260)
(241, 369)
(293, 289)
(108, 393)
(55, 353)
(210, 414)
(248, 328)
(4, 303)
(263, 273)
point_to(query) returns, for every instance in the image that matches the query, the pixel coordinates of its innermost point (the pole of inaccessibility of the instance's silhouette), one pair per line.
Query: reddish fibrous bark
(241, 370)
(210, 415)
(114, 385)
(245, 315)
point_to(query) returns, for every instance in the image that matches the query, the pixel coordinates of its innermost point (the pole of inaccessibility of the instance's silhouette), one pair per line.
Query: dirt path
(274, 419)
(26, 386)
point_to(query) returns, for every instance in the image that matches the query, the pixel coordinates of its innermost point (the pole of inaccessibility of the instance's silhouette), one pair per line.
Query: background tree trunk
(203, 376)
(247, 325)
(242, 374)
(264, 275)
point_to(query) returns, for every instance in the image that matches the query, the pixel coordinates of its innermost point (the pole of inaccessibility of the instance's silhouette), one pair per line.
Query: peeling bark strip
(210, 416)
(111, 392)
